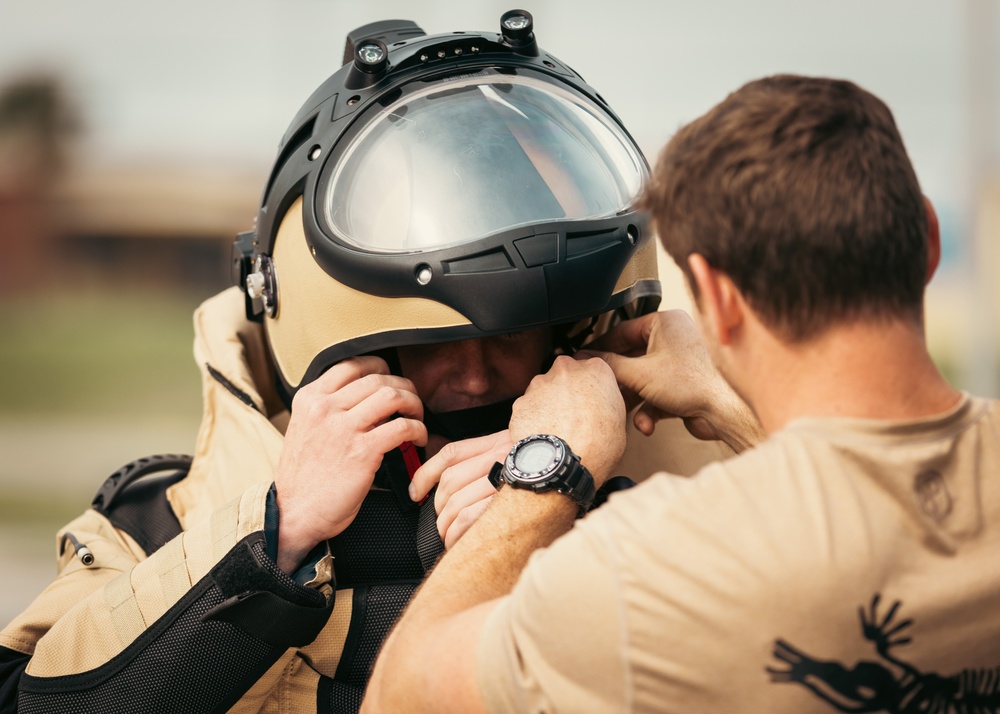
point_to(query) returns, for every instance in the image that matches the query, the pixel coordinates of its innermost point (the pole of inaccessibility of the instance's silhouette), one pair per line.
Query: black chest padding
(392, 538)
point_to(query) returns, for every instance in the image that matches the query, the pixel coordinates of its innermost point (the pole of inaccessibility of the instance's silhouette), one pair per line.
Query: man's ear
(933, 240)
(718, 298)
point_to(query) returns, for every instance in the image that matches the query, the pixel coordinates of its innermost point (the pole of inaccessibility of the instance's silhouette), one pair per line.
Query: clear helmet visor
(463, 159)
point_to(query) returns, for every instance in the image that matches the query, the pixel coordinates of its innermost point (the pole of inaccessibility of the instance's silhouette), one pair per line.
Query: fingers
(372, 396)
(460, 471)
(647, 415)
(457, 464)
(390, 415)
(644, 422)
(462, 510)
(388, 436)
(350, 370)
(630, 336)
(629, 384)
(383, 403)
(353, 393)
(456, 478)
(628, 373)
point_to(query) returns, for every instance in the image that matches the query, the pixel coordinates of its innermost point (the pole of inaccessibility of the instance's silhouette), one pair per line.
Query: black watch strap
(576, 482)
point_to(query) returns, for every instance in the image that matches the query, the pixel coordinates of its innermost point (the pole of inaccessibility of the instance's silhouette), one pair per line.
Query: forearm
(429, 662)
(416, 670)
(237, 621)
(736, 424)
(210, 595)
(482, 566)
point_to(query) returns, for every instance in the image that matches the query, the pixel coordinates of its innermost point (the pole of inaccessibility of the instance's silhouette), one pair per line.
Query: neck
(864, 369)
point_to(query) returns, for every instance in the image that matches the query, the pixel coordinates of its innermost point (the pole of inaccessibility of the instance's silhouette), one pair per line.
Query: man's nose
(472, 374)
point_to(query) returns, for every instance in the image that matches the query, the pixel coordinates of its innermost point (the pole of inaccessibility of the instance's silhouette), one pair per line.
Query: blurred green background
(88, 382)
(88, 355)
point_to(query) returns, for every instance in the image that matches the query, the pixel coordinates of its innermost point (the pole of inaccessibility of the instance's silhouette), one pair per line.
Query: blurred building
(151, 225)
(36, 127)
(67, 224)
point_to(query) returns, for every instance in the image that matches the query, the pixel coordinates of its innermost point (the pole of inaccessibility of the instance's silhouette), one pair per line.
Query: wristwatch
(543, 462)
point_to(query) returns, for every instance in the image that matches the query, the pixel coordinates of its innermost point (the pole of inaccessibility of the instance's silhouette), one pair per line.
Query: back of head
(800, 189)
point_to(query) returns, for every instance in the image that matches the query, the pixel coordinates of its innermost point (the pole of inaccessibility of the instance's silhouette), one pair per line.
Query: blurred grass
(26, 509)
(88, 381)
(117, 353)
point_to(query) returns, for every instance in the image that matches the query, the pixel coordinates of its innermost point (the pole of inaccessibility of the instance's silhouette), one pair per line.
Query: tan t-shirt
(843, 565)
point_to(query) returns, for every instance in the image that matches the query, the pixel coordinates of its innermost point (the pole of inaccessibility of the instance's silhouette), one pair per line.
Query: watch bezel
(558, 459)
(565, 473)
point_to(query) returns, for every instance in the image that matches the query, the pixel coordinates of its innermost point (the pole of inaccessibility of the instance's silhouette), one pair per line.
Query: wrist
(288, 545)
(543, 463)
(292, 551)
(735, 423)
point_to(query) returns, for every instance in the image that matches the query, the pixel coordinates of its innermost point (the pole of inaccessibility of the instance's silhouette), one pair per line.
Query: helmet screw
(424, 274)
(262, 284)
(255, 285)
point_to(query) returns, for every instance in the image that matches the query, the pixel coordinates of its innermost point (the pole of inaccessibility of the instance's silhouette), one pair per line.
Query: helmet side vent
(581, 244)
(489, 262)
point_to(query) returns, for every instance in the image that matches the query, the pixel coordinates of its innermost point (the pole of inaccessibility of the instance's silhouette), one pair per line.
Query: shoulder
(741, 522)
(748, 481)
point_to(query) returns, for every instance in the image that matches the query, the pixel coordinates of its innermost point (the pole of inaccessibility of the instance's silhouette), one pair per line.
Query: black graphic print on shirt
(890, 685)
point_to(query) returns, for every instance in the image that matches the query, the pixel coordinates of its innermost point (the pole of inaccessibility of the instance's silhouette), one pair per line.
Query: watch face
(535, 458)
(541, 463)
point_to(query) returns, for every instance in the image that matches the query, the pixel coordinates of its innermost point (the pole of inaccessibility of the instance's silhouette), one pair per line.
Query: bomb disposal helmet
(441, 188)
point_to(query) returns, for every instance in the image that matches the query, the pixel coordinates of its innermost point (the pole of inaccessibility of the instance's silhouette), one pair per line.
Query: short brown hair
(799, 189)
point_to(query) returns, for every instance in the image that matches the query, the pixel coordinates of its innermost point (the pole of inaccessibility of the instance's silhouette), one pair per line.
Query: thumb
(625, 368)
(625, 374)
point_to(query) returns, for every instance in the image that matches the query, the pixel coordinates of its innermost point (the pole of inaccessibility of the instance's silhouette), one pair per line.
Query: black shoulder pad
(140, 508)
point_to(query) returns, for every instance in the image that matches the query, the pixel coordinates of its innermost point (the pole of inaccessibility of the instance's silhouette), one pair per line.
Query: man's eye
(512, 336)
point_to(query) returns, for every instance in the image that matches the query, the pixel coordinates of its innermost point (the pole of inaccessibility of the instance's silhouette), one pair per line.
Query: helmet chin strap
(470, 423)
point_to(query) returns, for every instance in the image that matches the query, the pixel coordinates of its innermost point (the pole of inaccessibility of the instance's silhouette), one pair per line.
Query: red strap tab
(411, 457)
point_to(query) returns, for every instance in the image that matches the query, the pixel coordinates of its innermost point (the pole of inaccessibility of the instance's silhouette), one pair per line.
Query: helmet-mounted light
(516, 25)
(516, 28)
(371, 63)
(371, 57)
